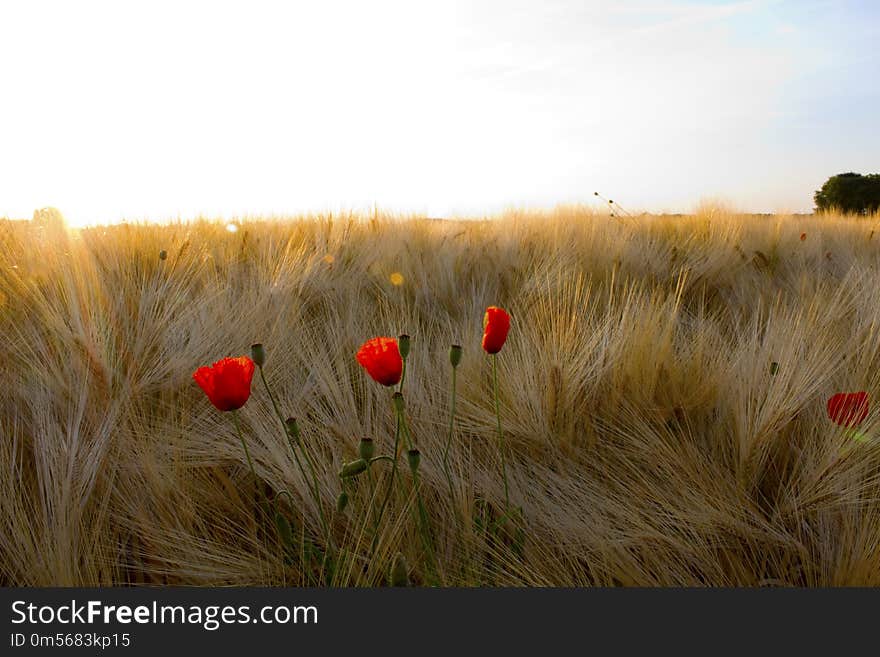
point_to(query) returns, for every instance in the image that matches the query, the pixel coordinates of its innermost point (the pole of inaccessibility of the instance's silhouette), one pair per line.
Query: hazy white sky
(165, 109)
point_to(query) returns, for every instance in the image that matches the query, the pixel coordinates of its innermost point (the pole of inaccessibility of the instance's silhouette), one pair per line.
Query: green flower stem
(312, 489)
(427, 539)
(247, 452)
(311, 467)
(407, 439)
(500, 434)
(448, 445)
(381, 458)
(393, 467)
(423, 514)
(292, 444)
(372, 494)
(281, 492)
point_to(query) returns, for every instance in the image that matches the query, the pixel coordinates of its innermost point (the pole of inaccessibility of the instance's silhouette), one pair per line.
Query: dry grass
(649, 442)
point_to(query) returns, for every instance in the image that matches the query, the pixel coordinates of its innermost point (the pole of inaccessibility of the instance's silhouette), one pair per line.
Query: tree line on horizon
(849, 192)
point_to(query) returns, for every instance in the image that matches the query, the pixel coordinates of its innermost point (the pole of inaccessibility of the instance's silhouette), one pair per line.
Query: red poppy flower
(227, 382)
(848, 409)
(381, 358)
(496, 324)
(803, 236)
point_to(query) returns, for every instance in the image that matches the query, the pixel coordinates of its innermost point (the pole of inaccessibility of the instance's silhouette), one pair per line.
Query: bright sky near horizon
(164, 109)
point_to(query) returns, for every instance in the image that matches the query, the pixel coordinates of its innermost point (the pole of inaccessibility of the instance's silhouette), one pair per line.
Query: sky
(162, 110)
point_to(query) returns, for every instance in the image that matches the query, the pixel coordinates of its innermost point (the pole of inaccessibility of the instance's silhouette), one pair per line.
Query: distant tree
(849, 192)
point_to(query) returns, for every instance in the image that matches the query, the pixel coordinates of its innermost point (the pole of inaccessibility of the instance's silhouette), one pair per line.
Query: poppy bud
(366, 449)
(455, 354)
(258, 354)
(398, 402)
(399, 574)
(496, 324)
(353, 469)
(292, 428)
(403, 345)
(413, 456)
(341, 502)
(163, 254)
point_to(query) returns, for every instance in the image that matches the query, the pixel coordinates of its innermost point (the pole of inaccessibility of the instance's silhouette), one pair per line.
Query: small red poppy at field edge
(227, 383)
(803, 237)
(848, 409)
(381, 358)
(496, 324)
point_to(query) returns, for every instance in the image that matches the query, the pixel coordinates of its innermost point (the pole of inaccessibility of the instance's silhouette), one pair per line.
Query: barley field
(662, 394)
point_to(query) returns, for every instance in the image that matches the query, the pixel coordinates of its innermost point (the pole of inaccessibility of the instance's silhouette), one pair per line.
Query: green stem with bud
(372, 495)
(449, 444)
(293, 445)
(393, 467)
(424, 526)
(247, 452)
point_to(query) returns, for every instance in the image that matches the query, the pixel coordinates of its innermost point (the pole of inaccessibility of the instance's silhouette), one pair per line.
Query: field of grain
(650, 439)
